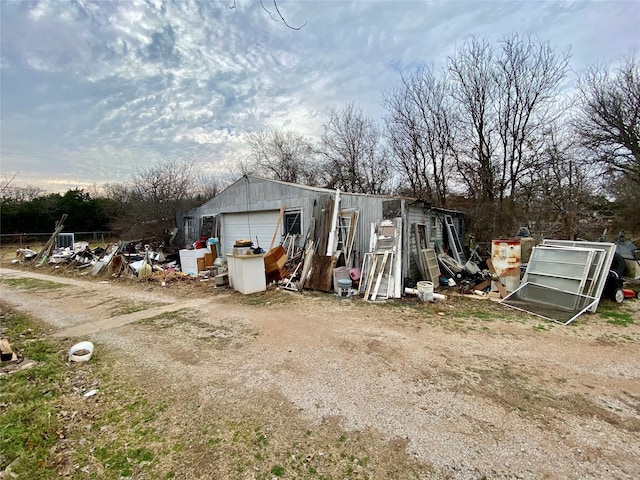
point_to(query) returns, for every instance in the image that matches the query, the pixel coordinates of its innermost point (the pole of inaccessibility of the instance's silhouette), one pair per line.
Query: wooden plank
(382, 267)
(482, 285)
(288, 284)
(372, 273)
(43, 255)
(331, 241)
(322, 229)
(275, 232)
(321, 277)
(306, 267)
(6, 353)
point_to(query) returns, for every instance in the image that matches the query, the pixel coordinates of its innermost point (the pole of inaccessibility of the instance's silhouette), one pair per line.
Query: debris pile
(143, 261)
(564, 279)
(558, 280)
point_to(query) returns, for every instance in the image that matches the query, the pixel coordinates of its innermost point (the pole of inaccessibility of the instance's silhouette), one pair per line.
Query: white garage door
(237, 226)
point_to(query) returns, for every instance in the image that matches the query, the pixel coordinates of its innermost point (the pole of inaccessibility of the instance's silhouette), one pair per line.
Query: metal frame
(562, 268)
(456, 245)
(578, 310)
(601, 275)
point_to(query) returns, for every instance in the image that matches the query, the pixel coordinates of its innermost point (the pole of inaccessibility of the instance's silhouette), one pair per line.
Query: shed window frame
(433, 229)
(189, 228)
(292, 222)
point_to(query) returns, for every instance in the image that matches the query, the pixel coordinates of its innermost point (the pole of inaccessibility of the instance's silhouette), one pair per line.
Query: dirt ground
(461, 389)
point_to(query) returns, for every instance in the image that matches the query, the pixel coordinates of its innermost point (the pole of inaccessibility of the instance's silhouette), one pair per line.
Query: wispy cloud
(122, 82)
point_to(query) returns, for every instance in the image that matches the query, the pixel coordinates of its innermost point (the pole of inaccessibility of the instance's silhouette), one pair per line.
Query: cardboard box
(275, 259)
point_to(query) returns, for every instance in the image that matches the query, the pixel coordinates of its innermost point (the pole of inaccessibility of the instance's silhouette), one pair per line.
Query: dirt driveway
(462, 389)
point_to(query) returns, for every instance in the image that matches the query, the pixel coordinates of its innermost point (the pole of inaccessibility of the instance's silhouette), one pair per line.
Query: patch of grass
(264, 299)
(486, 316)
(519, 393)
(218, 335)
(616, 338)
(48, 429)
(124, 460)
(33, 284)
(396, 304)
(28, 402)
(130, 308)
(615, 316)
(170, 318)
(542, 327)
(278, 470)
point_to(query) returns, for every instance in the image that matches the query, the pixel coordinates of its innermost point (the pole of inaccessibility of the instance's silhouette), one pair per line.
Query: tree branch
(275, 4)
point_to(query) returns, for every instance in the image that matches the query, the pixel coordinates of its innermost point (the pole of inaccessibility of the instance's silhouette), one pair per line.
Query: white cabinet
(246, 273)
(189, 260)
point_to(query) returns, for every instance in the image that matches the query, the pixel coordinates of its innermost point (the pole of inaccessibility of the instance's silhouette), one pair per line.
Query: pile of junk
(134, 257)
(144, 260)
(555, 279)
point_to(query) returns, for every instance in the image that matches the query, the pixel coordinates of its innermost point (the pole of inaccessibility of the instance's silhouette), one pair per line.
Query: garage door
(249, 225)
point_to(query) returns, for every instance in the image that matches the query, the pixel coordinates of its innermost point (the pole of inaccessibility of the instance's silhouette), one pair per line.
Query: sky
(90, 91)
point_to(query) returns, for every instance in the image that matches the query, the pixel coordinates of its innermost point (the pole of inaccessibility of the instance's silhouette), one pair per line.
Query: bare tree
(506, 98)
(354, 157)
(207, 186)
(557, 196)
(609, 118)
(421, 129)
(154, 197)
(118, 192)
(474, 89)
(10, 193)
(285, 156)
(527, 77)
(625, 206)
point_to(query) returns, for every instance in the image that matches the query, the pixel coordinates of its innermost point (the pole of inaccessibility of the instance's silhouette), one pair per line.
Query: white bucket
(425, 291)
(82, 346)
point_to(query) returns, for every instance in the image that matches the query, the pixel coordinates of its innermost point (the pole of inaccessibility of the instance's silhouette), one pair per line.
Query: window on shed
(434, 229)
(293, 222)
(209, 226)
(189, 231)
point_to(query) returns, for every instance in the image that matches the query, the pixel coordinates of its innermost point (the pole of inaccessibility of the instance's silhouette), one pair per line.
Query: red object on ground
(628, 293)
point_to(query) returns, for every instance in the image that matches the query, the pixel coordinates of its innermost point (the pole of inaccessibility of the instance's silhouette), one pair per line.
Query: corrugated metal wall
(257, 194)
(370, 208)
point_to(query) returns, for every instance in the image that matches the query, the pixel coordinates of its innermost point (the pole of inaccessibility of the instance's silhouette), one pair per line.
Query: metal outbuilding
(250, 208)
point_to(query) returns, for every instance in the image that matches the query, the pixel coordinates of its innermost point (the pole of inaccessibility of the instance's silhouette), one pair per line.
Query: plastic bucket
(80, 347)
(425, 291)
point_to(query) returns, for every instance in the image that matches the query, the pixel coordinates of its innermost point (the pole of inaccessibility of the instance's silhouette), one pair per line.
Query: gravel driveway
(467, 388)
